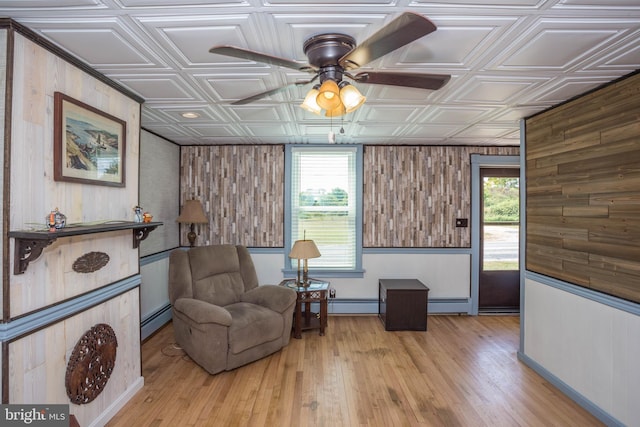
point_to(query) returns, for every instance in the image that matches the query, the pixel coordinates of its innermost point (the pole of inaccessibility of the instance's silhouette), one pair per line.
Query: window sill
(326, 273)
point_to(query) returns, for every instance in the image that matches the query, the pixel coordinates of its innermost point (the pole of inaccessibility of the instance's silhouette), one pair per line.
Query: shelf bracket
(139, 234)
(28, 250)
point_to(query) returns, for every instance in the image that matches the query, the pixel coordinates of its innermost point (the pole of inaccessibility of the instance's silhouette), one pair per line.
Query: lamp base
(191, 235)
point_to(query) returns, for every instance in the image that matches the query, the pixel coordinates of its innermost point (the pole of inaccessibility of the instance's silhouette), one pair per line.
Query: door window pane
(501, 223)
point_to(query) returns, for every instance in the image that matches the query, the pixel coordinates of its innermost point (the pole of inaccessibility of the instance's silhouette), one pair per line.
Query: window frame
(357, 271)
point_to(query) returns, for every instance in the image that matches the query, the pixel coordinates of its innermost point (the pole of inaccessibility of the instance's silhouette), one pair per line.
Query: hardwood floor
(462, 372)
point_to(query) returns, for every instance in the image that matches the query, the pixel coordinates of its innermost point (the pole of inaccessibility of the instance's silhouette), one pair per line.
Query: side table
(304, 319)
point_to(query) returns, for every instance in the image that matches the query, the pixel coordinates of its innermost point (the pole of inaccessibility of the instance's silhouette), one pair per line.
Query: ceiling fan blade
(399, 32)
(421, 81)
(250, 55)
(271, 92)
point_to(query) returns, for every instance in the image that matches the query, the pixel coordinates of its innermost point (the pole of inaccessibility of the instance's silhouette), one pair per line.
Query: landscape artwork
(89, 145)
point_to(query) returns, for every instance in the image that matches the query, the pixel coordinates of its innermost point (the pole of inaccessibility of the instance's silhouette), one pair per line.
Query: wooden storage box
(402, 304)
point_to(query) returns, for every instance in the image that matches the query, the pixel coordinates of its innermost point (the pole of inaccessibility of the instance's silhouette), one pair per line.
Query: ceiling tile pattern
(508, 59)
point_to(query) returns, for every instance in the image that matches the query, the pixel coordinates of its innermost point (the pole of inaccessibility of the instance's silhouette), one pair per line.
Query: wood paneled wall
(39, 361)
(412, 194)
(242, 190)
(46, 310)
(583, 190)
(37, 74)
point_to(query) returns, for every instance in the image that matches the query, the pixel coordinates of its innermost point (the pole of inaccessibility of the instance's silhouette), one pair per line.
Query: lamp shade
(329, 96)
(336, 112)
(351, 97)
(192, 213)
(304, 249)
(310, 103)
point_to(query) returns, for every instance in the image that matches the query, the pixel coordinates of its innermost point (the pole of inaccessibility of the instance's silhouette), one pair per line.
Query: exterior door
(499, 278)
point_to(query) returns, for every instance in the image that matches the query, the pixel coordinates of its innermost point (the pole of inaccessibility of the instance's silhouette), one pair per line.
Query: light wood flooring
(462, 372)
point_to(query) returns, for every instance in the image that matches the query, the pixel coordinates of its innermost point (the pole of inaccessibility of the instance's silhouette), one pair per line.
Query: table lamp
(303, 250)
(192, 213)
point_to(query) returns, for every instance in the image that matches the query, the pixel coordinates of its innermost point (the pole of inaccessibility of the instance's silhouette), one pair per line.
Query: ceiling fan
(333, 55)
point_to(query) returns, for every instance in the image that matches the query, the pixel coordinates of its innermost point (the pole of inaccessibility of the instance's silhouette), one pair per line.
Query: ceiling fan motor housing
(324, 50)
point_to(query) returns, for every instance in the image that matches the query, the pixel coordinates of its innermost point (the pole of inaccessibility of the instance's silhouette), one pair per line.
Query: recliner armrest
(276, 298)
(202, 312)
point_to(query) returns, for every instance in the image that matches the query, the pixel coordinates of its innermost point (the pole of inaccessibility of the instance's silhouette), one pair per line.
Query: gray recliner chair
(221, 317)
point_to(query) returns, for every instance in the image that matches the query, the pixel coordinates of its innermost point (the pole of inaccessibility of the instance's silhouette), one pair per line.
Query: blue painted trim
(266, 250)
(449, 305)
(588, 405)
(150, 259)
(357, 271)
(434, 251)
(40, 319)
(475, 232)
(327, 273)
(599, 297)
(370, 306)
(523, 228)
(384, 251)
(287, 205)
(154, 321)
(495, 161)
(359, 207)
(479, 161)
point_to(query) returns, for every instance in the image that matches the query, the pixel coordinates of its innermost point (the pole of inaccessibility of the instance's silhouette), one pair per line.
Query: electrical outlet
(332, 293)
(462, 222)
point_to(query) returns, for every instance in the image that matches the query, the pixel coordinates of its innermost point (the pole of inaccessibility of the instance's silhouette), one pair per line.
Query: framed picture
(89, 145)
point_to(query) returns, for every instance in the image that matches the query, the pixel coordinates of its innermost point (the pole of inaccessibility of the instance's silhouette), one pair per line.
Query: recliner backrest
(218, 274)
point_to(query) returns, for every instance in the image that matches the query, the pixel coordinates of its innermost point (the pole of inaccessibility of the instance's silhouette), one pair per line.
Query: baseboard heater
(370, 306)
(154, 321)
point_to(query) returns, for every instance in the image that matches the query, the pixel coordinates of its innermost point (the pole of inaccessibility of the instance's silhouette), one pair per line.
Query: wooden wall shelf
(29, 244)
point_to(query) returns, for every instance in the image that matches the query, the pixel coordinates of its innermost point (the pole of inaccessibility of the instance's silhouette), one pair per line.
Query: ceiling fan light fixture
(336, 112)
(329, 96)
(310, 103)
(351, 97)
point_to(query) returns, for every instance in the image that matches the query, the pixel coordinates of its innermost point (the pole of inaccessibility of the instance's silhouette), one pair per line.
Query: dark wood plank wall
(412, 194)
(583, 190)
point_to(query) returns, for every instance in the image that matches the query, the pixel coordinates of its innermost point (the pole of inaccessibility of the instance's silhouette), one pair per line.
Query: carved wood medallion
(91, 364)
(90, 262)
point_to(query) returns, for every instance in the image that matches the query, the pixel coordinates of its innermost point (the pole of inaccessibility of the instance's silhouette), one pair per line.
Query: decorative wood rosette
(90, 262)
(91, 364)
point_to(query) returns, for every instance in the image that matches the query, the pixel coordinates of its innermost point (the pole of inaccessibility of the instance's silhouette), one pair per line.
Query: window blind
(323, 204)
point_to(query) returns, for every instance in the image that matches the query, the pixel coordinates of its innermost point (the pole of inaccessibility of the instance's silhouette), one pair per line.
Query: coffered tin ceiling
(508, 59)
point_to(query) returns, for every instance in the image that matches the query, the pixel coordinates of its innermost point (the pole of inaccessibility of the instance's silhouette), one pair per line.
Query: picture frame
(89, 144)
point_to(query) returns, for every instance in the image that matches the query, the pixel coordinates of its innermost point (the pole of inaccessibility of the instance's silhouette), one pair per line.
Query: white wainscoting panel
(587, 345)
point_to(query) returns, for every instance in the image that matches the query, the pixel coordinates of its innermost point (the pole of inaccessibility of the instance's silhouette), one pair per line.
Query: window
(324, 201)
